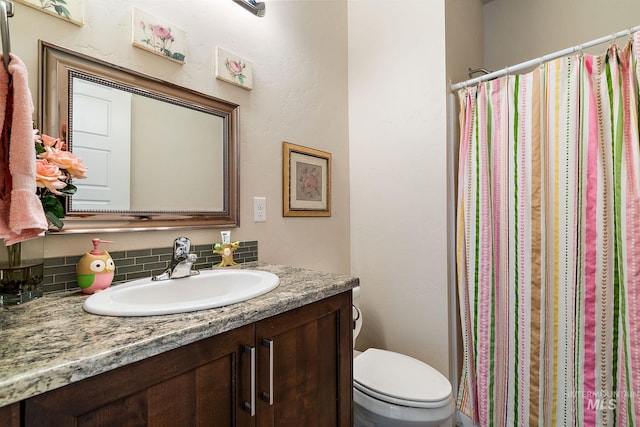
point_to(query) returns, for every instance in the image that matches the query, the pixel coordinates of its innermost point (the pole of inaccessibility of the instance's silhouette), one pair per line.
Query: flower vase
(21, 271)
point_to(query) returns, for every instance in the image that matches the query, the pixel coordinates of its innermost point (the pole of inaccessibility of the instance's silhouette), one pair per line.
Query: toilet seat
(400, 380)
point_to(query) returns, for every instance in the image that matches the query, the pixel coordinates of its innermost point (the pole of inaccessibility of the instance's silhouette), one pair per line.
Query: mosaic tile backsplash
(60, 272)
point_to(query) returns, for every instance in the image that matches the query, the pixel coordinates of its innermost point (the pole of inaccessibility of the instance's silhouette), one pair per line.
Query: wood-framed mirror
(159, 155)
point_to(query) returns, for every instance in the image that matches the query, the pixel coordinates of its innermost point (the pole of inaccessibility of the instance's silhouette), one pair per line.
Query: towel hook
(6, 11)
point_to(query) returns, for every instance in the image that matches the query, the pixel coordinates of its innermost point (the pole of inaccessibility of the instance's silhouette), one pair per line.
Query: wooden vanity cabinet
(195, 385)
(301, 364)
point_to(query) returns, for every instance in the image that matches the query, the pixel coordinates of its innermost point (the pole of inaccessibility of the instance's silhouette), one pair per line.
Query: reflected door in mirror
(102, 139)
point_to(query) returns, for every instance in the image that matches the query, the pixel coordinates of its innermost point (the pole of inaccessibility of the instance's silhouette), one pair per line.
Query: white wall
(397, 135)
(299, 54)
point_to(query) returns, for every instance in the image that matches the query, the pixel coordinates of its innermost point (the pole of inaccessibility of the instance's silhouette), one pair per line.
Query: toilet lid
(400, 379)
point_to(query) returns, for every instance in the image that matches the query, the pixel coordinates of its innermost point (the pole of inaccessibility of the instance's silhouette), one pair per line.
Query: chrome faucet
(180, 265)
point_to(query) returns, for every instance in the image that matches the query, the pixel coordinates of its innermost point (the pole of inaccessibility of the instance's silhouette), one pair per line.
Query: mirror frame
(58, 65)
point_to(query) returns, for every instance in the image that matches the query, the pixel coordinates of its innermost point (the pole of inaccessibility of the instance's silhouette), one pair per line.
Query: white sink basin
(209, 289)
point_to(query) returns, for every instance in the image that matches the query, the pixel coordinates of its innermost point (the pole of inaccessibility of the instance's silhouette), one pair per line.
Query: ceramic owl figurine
(95, 269)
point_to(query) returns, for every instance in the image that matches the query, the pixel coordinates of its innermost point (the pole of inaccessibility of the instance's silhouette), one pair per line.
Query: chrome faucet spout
(181, 263)
(183, 267)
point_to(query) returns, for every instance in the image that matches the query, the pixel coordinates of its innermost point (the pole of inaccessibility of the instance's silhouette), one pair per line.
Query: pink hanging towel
(21, 214)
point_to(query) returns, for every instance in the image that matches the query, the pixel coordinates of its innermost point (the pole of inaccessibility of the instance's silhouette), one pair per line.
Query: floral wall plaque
(68, 10)
(233, 69)
(157, 36)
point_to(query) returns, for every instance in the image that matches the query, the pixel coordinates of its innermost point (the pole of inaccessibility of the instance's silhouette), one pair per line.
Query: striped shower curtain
(548, 244)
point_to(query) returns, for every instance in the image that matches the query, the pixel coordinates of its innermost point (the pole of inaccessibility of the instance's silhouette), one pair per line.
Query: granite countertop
(51, 342)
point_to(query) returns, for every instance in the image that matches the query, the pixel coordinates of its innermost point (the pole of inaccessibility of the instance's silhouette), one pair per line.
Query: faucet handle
(181, 247)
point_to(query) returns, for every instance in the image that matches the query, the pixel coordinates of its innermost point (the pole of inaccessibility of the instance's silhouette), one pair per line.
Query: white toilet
(395, 390)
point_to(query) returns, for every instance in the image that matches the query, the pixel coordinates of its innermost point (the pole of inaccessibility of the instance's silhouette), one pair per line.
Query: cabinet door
(305, 366)
(201, 384)
(10, 415)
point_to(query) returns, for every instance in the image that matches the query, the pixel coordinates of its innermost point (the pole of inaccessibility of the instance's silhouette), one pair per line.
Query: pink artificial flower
(65, 160)
(49, 141)
(49, 176)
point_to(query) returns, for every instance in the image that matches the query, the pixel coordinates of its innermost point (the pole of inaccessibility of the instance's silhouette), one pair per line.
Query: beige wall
(517, 30)
(397, 134)
(201, 168)
(299, 54)
(464, 35)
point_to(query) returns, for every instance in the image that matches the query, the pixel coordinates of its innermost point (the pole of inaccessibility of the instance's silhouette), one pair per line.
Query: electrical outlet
(259, 209)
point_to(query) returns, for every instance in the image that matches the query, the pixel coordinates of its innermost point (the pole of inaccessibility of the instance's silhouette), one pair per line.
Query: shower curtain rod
(541, 60)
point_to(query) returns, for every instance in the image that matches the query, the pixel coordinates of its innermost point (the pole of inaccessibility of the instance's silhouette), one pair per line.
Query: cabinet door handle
(268, 397)
(251, 406)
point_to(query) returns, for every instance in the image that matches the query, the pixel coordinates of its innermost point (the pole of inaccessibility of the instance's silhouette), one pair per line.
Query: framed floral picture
(233, 69)
(68, 10)
(306, 181)
(158, 36)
